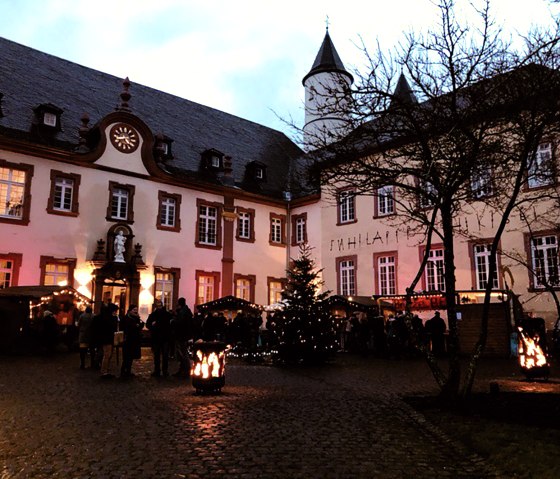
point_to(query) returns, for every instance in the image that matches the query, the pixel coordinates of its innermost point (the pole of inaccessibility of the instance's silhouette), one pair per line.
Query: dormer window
(256, 171)
(48, 116)
(163, 147)
(49, 119)
(212, 160)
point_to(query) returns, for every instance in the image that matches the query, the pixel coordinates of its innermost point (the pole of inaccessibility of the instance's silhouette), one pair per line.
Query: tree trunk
(450, 391)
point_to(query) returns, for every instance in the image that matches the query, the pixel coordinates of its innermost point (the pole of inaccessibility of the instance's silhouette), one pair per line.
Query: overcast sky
(246, 57)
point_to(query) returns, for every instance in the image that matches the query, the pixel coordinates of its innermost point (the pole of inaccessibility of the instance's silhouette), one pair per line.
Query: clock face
(124, 138)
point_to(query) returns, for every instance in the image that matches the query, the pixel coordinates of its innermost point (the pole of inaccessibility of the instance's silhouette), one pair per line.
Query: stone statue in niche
(120, 240)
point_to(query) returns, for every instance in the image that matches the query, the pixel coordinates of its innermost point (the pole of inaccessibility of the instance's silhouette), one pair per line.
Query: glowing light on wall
(146, 298)
(83, 277)
(147, 280)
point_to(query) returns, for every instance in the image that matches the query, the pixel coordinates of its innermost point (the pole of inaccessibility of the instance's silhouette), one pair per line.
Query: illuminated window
(275, 287)
(244, 287)
(207, 286)
(164, 287)
(9, 269)
(12, 192)
(56, 274)
(56, 271)
(6, 273)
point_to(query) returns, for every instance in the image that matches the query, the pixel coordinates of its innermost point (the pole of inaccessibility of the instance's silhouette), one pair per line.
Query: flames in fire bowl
(208, 366)
(532, 350)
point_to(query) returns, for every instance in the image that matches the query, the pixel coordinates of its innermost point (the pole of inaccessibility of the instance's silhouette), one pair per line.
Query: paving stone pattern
(336, 422)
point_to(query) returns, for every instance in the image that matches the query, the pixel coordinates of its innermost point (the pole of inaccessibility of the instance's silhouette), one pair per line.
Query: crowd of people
(170, 334)
(391, 337)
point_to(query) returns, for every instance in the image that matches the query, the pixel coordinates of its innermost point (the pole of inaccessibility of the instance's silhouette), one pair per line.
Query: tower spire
(327, 90)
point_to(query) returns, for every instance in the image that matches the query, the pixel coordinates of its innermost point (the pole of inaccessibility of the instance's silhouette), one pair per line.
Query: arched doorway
(117, 273)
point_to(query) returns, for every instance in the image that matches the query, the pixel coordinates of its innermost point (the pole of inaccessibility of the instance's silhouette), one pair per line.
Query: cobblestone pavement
(341, 421)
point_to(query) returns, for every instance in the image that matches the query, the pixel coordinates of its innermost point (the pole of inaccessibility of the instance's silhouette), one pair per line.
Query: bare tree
(436, 120)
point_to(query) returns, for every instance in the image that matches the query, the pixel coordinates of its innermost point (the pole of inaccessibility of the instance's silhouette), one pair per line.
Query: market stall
(23, 310)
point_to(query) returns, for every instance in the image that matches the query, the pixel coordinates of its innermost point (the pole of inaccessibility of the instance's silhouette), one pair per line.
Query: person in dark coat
(50, 331)
(183, 329)
(85, 337)
(159, 324)
(435, 328)
(105, 324)
(131, 325)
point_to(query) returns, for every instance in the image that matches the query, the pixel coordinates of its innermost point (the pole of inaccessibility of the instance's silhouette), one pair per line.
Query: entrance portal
(117, 293)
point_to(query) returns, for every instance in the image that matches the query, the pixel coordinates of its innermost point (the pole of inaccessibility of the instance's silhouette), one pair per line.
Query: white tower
(327, 86)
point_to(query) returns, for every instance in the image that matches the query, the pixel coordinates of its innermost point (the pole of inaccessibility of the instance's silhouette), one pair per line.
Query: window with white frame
(12, 191)
(164, 288)
(385, 201)
(482, 266)
(347, 281)
(119, 203)
(481, 183)
(207, 224)
(244, 225)
(275, 230)
(346, 207)
(386, 275)
(435, 271)
(6, 272)
(428, 194)
(63, 194)
(215, 161)
(541, 167)
(168, 207)
(300, 230)
(544, 251)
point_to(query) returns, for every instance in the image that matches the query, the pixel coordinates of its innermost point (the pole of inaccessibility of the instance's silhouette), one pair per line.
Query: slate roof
(29, 78)
(327, 60)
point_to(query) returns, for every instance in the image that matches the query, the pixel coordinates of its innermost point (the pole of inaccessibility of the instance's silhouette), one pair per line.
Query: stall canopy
(229, 303)
(350, 304)
(42, 294)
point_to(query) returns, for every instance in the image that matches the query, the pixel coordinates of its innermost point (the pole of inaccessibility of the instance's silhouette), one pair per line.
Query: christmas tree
(305, 328)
